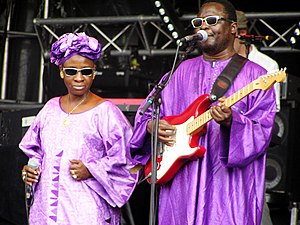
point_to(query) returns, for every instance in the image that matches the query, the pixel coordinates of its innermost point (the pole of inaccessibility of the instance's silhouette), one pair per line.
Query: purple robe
(99, 138)
(226, 185)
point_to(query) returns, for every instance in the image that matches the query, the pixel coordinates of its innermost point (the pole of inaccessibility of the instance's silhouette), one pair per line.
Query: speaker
(293, 87)
(15, 120)
(12, 189)
(282, 164)
(277, 153)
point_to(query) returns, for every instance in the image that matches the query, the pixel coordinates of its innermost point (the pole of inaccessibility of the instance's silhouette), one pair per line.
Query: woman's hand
(30, 175)
(78, 170)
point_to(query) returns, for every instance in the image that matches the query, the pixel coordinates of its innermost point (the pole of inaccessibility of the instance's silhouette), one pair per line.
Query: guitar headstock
(266, 81)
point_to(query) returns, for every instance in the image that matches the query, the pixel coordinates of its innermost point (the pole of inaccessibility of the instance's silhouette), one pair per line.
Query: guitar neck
(194, 126)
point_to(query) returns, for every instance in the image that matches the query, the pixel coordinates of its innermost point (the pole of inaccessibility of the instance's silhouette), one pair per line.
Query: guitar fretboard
(205, 117)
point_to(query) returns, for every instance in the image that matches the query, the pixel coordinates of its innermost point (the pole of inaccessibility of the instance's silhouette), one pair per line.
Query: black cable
(28, 197)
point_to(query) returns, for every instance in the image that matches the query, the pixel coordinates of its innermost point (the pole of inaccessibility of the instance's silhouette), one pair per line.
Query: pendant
(66, 122)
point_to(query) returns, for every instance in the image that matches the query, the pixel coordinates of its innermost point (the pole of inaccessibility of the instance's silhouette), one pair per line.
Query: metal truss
(142, 35)
(146, 35)
(279, 25)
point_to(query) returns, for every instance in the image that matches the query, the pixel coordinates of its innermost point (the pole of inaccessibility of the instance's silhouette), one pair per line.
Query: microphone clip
(252, 38)
(28, 193)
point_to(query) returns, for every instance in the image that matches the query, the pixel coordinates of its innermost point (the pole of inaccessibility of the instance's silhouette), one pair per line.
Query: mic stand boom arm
(159, 87)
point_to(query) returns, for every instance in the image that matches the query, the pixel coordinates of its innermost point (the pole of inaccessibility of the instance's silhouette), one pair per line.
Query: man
(253, 54)
(224, 186)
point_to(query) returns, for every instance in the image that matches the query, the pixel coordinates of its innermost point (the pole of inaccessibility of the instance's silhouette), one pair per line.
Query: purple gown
(99, 137)
(226, 185)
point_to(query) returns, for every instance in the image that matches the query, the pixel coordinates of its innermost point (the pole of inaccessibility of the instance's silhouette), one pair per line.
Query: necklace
(67, 119)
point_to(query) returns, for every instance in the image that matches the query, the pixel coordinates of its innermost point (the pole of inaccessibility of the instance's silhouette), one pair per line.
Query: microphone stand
(154, 143)
(247, 43)
(156, 99)
(161, 86)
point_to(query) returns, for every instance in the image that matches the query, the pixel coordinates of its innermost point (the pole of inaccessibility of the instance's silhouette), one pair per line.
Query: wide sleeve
(251, 129)
(140, 143)
(171, 104)
(31, 141)
(114, 178)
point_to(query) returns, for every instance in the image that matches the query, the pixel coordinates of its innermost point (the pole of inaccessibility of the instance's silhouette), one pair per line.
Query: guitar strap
(226, 77)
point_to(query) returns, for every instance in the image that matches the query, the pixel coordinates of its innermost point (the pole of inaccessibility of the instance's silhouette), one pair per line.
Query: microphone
(32, 163)
(252, 37)
(201, 35)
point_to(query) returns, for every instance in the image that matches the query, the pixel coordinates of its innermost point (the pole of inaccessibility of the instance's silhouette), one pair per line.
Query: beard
(213, 46)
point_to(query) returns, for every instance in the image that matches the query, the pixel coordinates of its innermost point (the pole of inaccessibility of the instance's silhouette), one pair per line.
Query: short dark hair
(228, 8)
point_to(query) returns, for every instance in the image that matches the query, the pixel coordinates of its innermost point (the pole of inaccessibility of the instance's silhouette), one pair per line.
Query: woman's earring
(61, 74)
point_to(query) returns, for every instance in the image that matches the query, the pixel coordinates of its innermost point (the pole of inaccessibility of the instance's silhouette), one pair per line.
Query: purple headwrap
(71, 44)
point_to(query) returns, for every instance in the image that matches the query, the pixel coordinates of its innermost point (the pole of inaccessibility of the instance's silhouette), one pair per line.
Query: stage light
(170, 19)
(162, 11)
(166, 19)
(170, 27)
(297, 32)
(294, 39)
(157, 4)
(175, 35)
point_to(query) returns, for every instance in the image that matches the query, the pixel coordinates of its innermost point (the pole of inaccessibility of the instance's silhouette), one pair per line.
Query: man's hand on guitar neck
(221, 113)
(166, 132)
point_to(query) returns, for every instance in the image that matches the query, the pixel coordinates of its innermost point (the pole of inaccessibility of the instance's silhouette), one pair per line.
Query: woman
(80, 143)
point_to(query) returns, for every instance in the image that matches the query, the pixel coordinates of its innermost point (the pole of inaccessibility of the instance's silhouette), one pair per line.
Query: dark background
(25, 51)
(22, 89)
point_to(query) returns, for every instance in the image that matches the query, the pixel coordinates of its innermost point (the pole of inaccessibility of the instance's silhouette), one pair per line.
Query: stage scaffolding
(129, 26)
(156, 42)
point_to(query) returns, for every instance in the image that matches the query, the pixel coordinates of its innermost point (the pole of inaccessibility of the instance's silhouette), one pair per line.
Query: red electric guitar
(191, 124)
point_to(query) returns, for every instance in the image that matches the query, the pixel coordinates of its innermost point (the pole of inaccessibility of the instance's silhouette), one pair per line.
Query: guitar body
(191, 124)
(172, 158)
